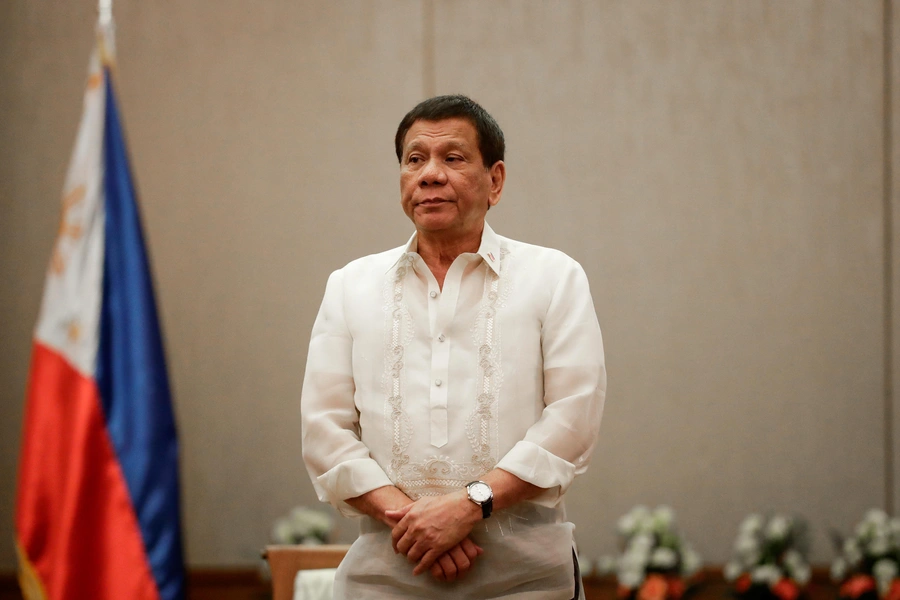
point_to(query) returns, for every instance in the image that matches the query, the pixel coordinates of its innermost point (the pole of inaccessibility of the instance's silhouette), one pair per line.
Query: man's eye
(452, 158)
(412, 159)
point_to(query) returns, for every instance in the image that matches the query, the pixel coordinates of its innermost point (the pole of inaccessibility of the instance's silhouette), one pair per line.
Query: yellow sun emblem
(67, 229)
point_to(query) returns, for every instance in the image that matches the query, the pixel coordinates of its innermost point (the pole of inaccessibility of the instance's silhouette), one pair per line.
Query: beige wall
(717, 167)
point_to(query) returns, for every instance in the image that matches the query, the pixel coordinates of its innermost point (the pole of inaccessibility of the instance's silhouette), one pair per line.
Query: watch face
(479, 492)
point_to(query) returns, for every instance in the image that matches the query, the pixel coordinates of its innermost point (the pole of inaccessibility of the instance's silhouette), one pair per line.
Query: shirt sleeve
(559, 445)
(339, 464)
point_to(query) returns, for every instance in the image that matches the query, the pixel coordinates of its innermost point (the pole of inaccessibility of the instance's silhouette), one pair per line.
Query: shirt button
(433, 294)
(441, 338)
(438, 382)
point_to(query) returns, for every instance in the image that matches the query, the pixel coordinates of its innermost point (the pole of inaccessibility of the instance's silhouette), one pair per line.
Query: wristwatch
(481, 494)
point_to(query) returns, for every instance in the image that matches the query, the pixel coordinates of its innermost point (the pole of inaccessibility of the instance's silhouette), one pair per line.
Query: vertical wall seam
(428, 74)
(887, 200)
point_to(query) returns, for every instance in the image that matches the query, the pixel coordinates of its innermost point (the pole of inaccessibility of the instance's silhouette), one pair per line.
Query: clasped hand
(433, 532)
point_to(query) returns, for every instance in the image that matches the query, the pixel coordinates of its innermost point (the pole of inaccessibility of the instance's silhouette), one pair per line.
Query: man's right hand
(450, 566)
(456, 562)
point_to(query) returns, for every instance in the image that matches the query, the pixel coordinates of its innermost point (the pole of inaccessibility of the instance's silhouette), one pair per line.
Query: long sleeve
(558, 446)
(339, 464)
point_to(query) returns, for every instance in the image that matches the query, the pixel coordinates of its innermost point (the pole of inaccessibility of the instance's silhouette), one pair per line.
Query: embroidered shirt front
(424, 388)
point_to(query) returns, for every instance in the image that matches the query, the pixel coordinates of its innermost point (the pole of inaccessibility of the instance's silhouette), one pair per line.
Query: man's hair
(490, 137)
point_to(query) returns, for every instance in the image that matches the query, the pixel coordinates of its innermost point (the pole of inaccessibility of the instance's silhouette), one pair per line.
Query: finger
(415, 553)
(405, 544)
(448, 567)
(460, 561)
(437, 572)
(397, 534)
(426, 562)
(471, 549)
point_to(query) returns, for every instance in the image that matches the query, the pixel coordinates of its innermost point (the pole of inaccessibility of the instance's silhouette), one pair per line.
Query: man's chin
(431, 224)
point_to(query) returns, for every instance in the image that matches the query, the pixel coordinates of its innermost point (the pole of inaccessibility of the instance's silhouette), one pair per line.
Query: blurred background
(725, 171)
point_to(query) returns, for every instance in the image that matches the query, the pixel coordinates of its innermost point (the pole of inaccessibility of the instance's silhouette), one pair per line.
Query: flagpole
(104, 7)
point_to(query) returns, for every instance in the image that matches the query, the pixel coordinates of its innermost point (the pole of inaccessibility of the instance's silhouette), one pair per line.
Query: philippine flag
(97, 503)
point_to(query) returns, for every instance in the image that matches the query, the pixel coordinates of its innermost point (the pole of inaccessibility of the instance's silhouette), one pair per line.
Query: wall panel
(264, 149)
(894, 171)
(716, 167)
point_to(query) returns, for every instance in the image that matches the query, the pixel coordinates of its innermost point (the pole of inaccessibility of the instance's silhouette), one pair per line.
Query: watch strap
(486, 507)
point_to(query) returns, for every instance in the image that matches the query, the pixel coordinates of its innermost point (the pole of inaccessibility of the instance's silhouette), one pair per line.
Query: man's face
(444, 186)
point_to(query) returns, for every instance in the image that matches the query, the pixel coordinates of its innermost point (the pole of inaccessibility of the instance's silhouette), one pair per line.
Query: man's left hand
(458, 561)
(431, 526)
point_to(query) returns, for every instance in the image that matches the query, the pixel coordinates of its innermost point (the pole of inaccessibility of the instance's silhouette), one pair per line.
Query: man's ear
(498, 178)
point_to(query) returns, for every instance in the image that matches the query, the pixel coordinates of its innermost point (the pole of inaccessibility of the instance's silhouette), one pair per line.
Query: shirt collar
(406, 254)
(489, 250)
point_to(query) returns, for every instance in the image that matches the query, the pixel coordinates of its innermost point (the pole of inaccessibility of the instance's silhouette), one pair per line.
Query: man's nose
(432, 174)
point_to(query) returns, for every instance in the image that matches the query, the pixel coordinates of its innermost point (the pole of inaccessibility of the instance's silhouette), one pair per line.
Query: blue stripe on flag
(131, 370)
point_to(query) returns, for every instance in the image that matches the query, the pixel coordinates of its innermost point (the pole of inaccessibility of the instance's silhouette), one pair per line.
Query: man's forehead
(455, 131)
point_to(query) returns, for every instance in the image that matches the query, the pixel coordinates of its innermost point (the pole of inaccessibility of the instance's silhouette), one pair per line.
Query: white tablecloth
(314, 584)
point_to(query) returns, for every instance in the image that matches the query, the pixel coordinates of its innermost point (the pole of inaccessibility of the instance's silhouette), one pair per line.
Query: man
(454, 386)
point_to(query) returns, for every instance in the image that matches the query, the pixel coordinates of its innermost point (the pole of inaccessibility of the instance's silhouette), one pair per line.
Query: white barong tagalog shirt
(427, 389)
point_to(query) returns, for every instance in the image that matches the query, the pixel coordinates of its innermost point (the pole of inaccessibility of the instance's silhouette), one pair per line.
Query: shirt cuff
(350, 479)
(535, 465)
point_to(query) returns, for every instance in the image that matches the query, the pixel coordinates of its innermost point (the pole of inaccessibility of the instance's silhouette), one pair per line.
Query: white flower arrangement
(655, 560)
(770, 557)
(303, 526)
(868, 563)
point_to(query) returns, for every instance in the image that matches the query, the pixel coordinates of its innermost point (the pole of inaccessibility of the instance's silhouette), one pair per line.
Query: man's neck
(439, 251)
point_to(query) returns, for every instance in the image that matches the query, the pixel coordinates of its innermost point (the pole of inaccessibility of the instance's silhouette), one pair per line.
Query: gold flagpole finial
(105, 38)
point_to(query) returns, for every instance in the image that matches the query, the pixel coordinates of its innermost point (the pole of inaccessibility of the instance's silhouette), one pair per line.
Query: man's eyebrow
(457, 145)
(414, 145)
(449, 145)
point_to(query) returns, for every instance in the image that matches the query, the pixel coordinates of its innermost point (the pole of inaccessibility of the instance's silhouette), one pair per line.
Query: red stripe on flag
(74, 517)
